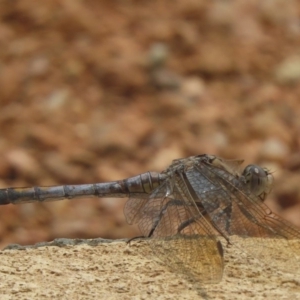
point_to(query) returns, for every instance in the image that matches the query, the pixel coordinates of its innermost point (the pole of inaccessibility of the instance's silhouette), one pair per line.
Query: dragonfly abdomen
(140, 184)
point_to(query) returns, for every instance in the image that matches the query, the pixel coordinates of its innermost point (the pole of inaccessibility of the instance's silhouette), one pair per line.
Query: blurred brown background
(94, 91)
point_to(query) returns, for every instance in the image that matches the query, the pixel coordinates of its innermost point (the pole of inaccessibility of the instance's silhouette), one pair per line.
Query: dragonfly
(189, 211)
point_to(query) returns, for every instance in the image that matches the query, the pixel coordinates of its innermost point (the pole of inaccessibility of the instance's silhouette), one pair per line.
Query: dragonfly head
(258, 180)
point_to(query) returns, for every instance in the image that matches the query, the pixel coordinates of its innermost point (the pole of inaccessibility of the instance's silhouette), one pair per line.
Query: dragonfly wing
(235, 211)
(179, 235)
(134, 206)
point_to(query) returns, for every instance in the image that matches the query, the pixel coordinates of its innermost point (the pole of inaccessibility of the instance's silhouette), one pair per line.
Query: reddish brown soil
(101, 90)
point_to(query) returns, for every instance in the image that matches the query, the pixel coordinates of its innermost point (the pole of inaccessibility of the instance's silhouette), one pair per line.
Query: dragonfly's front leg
(204, 214)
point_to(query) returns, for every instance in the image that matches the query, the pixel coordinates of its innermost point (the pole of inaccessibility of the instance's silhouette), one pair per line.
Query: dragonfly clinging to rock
(189, 210)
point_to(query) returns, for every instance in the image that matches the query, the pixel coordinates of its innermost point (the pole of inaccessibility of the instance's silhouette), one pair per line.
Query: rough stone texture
(107, 269)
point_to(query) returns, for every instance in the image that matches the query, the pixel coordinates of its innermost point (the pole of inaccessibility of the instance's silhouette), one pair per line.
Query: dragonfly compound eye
(258, 180)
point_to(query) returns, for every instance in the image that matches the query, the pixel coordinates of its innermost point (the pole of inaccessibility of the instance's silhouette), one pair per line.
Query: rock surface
(112, 269)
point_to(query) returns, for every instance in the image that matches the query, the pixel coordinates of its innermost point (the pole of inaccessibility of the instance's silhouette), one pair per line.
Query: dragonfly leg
(158, 218)
(135, 238)
(163, 211)
(186, 223)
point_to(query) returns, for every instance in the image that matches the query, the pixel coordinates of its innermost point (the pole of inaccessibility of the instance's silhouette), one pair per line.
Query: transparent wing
(179, 234)
(134, 207)
(235, 211)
